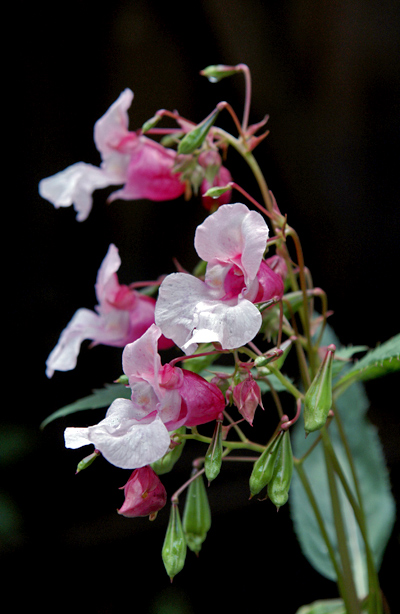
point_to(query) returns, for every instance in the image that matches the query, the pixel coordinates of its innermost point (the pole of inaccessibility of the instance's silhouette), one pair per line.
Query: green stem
(375, 599)
(320, 521)
(349, 593)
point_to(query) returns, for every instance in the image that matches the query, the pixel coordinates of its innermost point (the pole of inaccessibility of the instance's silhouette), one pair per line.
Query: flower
(144, 493)
(135, 432)
(143, 165)
(221, 308)
(121, 316)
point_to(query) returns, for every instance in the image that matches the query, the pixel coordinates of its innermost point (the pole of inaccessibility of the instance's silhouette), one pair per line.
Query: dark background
(328, 75)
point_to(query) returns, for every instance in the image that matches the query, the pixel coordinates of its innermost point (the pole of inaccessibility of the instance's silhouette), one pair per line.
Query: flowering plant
(231, 323)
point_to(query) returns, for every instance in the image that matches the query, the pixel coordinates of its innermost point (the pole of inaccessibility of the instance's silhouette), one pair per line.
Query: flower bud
(174, 547)
(278, 487)
(197, 514)
(195, 138)
(264, 466)
(167, 462)
(318, 398)
(213, 458)
(217, 72)
(87, 461)
(144, 494)
(247, 397)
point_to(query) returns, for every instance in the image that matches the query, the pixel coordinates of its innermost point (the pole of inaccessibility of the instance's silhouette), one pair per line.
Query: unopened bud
(278, 487)
(174, 548)
(166, 462)
(213, 458)
(195, 138)
(87, 461)
(247, 397)
(196, 515)
(264, 466)
(318, 398)
(216, 72)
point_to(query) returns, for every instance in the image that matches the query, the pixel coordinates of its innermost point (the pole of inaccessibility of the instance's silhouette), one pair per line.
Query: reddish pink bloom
(141, 164)
(136, 431)
(247, 397)
(121, 316)
(144, 494)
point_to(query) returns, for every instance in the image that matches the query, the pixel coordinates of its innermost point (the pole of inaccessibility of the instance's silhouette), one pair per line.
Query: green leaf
(100, 398)
(373, 480)
(325, 606)
(382, 360)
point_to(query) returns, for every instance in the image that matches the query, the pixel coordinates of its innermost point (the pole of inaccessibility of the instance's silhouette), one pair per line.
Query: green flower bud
(264, 466)
(87, 461)
(194, 139)
(217, 191)
(216, 72)
(278, 487)
(151, 123)
(213, 458)
(197, 514)
(174, 547)
(166, 462)
(318, 398)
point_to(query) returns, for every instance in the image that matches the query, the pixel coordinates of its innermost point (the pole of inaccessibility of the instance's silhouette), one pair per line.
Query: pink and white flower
(135, 432)
(221, 308)
(122, 315)
(141, 164)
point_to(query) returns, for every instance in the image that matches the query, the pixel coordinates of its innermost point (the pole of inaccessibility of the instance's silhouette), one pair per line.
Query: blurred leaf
(325, 606)
(373, 480)
(100, 398)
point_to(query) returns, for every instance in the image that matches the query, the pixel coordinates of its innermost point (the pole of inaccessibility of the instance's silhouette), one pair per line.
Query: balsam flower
(144, 494)
(141, 164)
(135, 432)
(122, 315)
(221, 308)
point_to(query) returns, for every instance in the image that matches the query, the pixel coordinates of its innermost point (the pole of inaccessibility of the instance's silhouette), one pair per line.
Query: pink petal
(204, 400)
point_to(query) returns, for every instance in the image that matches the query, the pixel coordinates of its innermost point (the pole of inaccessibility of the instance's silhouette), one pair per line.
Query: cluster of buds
(239, 299)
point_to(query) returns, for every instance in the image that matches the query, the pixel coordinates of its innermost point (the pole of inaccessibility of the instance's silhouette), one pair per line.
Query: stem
(375, 598)
(318, 516)
(349, 593)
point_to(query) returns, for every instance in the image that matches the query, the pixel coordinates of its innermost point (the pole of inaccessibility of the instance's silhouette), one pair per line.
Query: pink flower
(122, 315)
(143, 165)
(144, 494)
(135, 432)
(221, 308)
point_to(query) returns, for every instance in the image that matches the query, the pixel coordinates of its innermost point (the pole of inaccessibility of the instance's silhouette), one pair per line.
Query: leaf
(373, 480)
(324, 606)
(100, 398)
(382, 360)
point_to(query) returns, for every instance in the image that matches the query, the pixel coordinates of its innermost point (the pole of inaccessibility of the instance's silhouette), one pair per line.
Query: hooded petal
(204, 400)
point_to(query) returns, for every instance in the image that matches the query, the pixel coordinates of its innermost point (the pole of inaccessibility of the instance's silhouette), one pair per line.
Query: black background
(328, 76)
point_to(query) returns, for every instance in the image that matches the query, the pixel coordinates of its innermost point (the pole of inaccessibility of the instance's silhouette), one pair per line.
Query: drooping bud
(318, 398)
(167, 462)
(195, 138)
(278, 487)
(144, 493)
(264, 466)
(213, 458)
(174, 548)
(216, 72)
(197, 514)
(247, 397)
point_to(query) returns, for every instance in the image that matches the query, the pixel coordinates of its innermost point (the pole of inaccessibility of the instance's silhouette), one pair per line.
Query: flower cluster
(219, 309)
